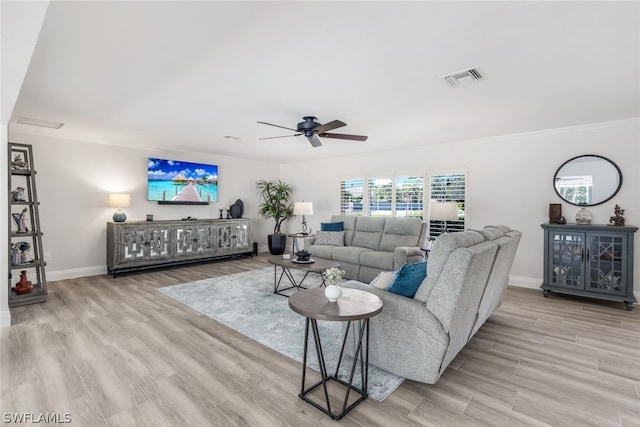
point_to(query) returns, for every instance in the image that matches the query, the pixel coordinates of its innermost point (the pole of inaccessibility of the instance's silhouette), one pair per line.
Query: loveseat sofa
(467, 274)
(368, 245)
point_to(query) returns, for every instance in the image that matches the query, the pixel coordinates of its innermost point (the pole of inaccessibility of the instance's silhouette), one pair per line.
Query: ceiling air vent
(38, 122)
(464, 77)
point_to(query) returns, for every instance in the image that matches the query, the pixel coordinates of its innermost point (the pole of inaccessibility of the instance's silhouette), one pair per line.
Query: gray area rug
(246, 303)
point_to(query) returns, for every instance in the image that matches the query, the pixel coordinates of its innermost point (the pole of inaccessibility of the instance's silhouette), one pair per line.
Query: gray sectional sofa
(372, 245)
(467, 274)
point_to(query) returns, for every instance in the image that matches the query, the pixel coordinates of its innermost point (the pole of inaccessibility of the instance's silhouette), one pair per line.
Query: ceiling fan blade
(314, 140)
(329, 126)
(278, 126)
(344, 136)
(283, 136)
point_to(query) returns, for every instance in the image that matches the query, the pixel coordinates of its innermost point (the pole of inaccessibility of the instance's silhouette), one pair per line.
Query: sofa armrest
(404, 309)
(407, 255)
(308, 241)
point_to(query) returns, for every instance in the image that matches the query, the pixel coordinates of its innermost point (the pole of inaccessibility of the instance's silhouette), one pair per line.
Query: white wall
(20, 23)
(510, 181)
(73, 182)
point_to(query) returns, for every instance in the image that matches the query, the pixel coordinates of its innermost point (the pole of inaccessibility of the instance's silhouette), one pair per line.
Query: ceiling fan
(314, 131)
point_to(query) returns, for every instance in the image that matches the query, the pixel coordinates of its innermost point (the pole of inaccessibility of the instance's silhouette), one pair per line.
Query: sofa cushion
(331, 238)
(384, 280)
(400, 232)
(322, 251)
(349, 254)
(441, 249)
(349, 225)
(408, 279)
(332, 226)
(378, 259)
(368, 232)
(491, 233)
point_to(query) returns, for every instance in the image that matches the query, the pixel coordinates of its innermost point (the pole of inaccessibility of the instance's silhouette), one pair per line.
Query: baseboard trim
(74, 273)
(525, 282)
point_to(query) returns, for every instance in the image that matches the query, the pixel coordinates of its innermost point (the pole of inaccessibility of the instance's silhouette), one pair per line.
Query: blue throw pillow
(408, 279)
(332, 226)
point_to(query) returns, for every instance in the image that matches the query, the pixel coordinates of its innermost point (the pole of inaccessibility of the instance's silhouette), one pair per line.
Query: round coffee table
(353, 305)
(317, 266)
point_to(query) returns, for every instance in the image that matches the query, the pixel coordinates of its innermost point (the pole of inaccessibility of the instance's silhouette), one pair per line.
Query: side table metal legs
(286, 272)
(361, 356)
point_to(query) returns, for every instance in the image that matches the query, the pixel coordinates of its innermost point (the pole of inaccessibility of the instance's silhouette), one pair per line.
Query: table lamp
(443, 211)
(119, 201)
(303, 208)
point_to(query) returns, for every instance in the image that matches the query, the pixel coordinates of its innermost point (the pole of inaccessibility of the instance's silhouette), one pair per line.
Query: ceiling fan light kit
(313, 131)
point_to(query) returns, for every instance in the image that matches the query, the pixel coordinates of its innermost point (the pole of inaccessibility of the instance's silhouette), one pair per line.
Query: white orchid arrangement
(333, 276)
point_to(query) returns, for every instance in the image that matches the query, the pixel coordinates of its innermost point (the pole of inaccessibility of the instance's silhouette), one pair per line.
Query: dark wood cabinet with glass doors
(594, 261)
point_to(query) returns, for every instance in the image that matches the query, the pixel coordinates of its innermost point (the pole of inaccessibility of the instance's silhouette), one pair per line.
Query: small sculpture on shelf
(617, 219)
(18, 163)
(583, 216)
(17, 195)
(20, 253)
(221, 209)
(24, 286)
(20, 220)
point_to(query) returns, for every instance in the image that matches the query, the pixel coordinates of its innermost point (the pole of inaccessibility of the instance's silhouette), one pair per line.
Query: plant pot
(277, 243)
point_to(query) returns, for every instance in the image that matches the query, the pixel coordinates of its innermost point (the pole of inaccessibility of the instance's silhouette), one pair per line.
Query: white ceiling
(181, 75)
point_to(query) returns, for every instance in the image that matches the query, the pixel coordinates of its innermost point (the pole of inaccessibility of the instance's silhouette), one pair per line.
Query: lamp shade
(119, 200)
(443, 211)
(303, 208)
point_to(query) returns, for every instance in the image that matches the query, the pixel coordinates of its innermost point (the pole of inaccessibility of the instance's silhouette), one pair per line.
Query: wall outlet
(47, 256)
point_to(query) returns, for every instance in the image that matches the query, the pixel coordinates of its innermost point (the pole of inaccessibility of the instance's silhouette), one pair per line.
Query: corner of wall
(5, 314)
(5, 318)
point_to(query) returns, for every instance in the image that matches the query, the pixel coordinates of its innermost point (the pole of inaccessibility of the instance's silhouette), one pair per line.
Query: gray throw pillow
(331, 238)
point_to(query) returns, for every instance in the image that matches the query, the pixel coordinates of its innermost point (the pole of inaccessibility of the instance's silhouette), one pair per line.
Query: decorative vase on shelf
(333, 292)
(24, 286)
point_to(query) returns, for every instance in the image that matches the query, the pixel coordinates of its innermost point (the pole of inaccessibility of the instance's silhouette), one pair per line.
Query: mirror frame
(555, 176)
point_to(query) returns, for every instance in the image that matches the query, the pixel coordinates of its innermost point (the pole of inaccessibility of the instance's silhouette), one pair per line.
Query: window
(449, 187)
(410, 196)
(380, 196)
(401, 195)
(351, 192)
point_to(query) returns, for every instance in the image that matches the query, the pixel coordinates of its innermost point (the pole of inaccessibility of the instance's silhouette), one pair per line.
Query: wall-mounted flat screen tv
(178, 182)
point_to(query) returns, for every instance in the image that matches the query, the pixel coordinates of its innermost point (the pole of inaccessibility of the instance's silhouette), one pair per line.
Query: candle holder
(220, 212)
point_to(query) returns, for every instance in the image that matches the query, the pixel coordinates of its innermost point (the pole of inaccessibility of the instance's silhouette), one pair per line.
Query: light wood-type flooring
(117, 352)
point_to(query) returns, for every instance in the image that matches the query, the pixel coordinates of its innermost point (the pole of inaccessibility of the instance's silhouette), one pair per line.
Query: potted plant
(275, 204)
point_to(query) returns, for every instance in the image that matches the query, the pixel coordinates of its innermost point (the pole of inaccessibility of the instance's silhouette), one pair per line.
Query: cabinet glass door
(133, 240)
(606, 255)
(567, 255)
(158, 239)
(242, 236)
(223, 240)
(190, 240)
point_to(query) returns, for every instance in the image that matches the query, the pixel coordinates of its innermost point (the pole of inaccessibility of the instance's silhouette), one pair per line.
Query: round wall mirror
(587, 180)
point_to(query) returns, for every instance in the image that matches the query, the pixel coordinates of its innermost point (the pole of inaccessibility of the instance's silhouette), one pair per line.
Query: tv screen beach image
(178, 181)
